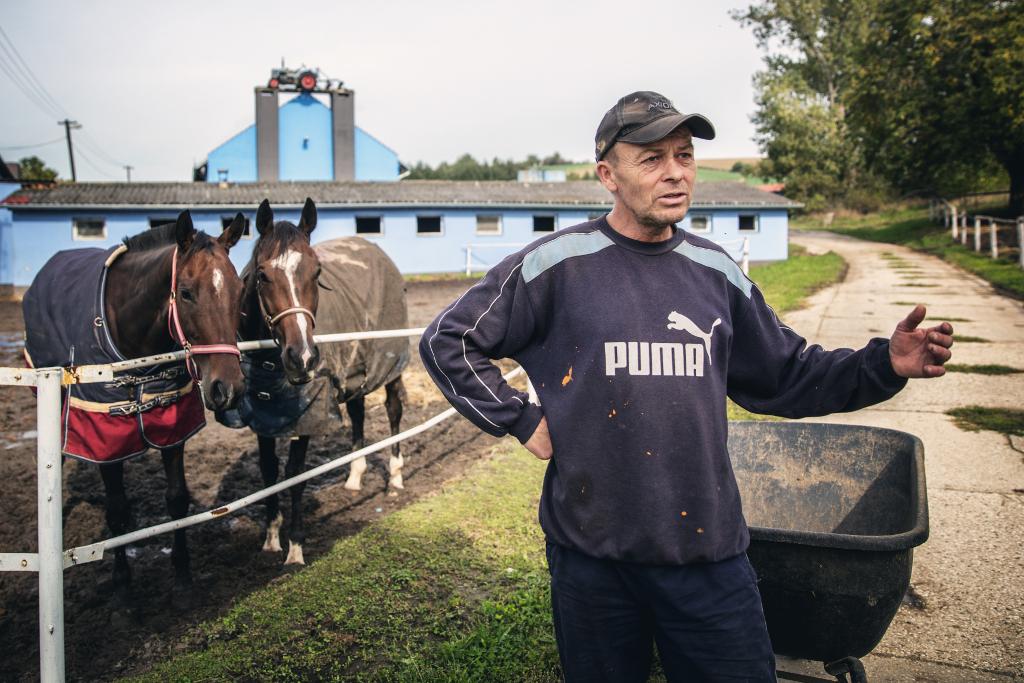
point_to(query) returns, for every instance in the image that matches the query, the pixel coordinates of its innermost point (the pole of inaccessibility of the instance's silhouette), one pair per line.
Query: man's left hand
(920, 352)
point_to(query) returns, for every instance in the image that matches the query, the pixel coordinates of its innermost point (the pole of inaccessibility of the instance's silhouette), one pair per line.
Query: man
(633, 333)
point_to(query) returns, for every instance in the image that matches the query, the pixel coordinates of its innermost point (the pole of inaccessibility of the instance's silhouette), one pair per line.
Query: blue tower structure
(302, 140)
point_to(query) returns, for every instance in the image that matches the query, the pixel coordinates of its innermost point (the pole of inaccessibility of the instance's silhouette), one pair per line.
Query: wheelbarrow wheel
(847, 665)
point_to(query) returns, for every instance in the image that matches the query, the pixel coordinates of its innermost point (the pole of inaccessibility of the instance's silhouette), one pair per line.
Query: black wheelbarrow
(834, 514)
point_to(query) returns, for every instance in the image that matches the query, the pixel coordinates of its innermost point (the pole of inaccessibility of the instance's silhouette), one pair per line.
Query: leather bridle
(272, 320)
(178, 334)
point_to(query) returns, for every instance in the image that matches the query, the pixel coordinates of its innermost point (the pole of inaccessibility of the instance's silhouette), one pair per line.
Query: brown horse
(164, 289)
(291, 392)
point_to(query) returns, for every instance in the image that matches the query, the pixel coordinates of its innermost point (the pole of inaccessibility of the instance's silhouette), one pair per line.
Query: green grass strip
(976, 418)
(983, 369)
(968, 339)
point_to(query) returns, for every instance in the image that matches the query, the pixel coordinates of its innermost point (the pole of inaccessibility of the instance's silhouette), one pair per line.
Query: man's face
(653, 182)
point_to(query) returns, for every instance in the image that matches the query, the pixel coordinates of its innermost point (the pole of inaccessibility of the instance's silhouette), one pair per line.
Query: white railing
(998, 231)
(51, 559)
(487, 245)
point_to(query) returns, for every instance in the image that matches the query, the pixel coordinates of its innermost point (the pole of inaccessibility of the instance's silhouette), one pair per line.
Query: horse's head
(284, 273)
(207, 295)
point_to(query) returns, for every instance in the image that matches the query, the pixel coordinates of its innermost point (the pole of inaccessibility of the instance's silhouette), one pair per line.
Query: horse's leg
(268, 468)
(296, 529)
(178, 501)
(393, 403)
(118, 520)
(357, 415)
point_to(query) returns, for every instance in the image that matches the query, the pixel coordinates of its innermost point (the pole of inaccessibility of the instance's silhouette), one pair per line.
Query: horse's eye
(186, 295)
(262, 277)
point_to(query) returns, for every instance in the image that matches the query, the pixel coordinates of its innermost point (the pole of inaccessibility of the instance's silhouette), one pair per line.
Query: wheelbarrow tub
(834, 513)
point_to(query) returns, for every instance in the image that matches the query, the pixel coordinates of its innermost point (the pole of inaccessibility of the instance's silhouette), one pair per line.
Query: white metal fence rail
(51, 559)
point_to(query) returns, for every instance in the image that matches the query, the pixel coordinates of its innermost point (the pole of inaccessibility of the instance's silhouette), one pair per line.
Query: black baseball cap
(643, 117)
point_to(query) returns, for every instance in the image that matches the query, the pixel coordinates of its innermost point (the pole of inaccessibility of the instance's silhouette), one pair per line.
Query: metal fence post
(977, 234)
(745, 263)
(954, 220)
(955, 224)
(469, 260)
(51, 527)
(993, 237)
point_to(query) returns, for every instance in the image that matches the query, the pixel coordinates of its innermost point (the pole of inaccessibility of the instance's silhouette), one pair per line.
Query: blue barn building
(424, 226)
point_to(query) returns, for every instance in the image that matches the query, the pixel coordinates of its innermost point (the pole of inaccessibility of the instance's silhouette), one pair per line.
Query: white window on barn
(429, 226)
(89, 229)
(225, 221)
(543, 222)
(488, 224)
(748, 222)
(369, 225)
(700, 222)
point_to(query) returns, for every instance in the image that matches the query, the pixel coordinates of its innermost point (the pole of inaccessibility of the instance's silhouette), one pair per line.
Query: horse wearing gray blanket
(296, 391)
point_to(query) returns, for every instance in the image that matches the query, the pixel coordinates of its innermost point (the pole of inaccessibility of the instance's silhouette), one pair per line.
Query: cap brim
(699, 126)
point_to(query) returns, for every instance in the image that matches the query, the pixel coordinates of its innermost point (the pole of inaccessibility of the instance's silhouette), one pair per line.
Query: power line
(17, 147)
(89, 162)
(32, 76)
(18, 80)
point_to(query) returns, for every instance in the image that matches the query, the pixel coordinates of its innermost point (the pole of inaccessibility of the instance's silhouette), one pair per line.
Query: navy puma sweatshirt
(632, 348)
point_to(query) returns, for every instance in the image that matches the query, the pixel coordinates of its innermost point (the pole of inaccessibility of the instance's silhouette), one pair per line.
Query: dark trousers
(706, 619)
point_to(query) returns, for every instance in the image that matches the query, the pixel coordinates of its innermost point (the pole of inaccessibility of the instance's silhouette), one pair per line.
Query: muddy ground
(222, 465)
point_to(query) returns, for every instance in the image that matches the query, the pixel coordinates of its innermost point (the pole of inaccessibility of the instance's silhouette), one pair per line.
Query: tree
(33, 168)
(811, 47)
(938, 99)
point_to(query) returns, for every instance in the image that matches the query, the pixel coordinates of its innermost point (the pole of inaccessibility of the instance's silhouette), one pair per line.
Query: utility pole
(128, 168)
(68, 125)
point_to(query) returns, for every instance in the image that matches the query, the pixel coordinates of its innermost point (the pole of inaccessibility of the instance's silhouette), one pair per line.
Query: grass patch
(983, 369)
(951, 320)
(442, 277)
(785, 284)
(976, 418)
(910, 227)
(905, 303)
(966, 338)
(451, 588)
(916, 284)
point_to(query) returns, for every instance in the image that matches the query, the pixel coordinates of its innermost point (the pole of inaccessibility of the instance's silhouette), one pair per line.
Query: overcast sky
(158, 85)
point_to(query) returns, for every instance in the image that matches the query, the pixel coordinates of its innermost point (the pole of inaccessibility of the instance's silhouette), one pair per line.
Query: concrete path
(969, 575)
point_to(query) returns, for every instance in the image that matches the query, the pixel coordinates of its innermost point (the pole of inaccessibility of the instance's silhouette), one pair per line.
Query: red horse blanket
(65, 324)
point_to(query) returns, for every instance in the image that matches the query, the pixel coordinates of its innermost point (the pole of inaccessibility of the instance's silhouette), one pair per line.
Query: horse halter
(272, 320)
(178, 334)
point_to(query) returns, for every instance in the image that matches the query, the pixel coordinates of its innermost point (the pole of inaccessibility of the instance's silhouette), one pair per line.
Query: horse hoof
(354, 487)
(295, 554)
(271, 547)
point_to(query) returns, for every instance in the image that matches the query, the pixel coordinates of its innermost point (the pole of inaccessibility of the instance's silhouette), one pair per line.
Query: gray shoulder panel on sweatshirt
(552, 253)
(719, 261)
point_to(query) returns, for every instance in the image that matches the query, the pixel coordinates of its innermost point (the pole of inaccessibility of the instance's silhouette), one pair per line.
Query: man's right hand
(540, 442)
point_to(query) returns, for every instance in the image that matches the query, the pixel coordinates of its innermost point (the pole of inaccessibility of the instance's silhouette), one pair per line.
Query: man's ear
(605, 175)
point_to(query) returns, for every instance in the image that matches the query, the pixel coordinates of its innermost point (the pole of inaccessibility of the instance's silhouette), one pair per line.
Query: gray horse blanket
(366, 293)
(65, 325)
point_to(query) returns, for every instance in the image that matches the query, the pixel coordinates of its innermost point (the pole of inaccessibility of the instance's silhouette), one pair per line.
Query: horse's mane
(162, 236)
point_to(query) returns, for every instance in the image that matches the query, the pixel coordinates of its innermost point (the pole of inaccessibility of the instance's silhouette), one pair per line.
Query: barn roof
(405, 193)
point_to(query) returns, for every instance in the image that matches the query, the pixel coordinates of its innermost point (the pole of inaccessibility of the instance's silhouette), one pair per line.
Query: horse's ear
(307, 223)
(184, 231)
(264, 218)
(233, 232)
